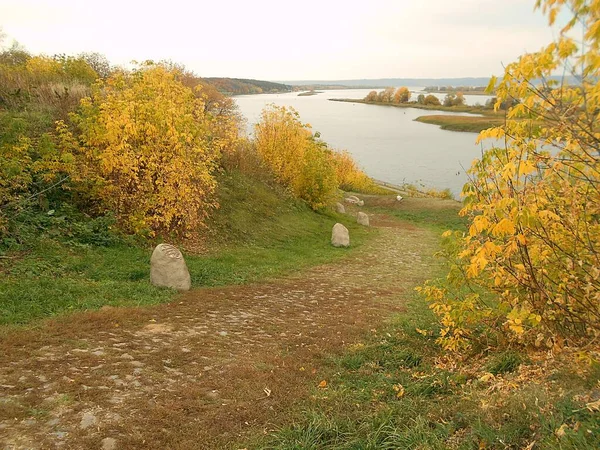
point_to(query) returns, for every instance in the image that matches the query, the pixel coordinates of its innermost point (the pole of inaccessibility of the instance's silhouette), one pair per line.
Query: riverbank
(469, 124)
(457, 109)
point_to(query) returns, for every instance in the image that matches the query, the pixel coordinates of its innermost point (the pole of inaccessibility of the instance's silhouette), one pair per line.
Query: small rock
(109, 443)
(353, 200)
(127, 356)
(340, 237)
(340, 208)
(362, 219)
(88, 420)
(168, 268)
(222, 333)
(212, 395)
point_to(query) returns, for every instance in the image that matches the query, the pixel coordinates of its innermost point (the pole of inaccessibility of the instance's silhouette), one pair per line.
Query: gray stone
(87, 420)
(362, 219)
(340, 208)
(109, 443)
(168, 268)
(353, 200)
(340, 236)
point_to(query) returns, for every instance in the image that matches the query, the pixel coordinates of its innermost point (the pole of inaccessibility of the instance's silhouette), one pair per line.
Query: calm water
(386, 142)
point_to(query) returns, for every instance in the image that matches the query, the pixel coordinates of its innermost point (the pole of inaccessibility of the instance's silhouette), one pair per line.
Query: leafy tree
(453, 99)
(421, 99)
(387, 95)
(431, 99)
(402, 95)
(372, 96)
(98, 63)
(529, 266)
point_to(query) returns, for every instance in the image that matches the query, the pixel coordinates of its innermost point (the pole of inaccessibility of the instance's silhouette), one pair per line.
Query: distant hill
(240, 86)
(396, 82)
(385, 82)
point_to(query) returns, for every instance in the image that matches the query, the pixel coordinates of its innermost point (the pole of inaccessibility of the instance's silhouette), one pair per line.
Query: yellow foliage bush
(304, 164)
(28, 163)
(297, 160)
(149, 151)
(351, 178)
(528, 266)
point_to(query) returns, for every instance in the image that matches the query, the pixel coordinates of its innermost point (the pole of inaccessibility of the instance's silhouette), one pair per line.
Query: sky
(278, 40)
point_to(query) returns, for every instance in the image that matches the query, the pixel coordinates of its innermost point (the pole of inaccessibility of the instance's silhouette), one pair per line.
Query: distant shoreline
(458, 109)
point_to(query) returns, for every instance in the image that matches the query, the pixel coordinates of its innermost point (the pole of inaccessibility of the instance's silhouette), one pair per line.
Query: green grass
(440, 409)
(438, 219)
(257, 233)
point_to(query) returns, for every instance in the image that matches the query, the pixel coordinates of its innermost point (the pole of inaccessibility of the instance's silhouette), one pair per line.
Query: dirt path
(207, 369)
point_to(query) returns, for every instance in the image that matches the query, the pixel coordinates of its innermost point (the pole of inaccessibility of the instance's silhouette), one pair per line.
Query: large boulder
(362, 219)
(340, 236)
(340, 208)
(168, 268)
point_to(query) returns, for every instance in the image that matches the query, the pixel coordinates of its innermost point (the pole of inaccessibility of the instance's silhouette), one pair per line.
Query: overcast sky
(279, 40)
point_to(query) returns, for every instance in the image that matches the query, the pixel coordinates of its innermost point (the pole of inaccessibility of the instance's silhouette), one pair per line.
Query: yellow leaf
(323, 384)
(593, 406)
(399, 390)
(486, 377)
(560, 432)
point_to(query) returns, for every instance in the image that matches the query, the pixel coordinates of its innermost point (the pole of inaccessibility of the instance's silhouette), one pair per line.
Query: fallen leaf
(593, 406)
(267, 391)
(323, 384)
(399, 390)
(486, 377)
(560, 432)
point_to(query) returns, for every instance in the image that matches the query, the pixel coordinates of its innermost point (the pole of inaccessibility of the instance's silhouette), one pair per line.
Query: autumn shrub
(528, 267)
(298, 161)
(317, 183)
(31, 161)
(56, 84)
(149, 151)
(351, 178)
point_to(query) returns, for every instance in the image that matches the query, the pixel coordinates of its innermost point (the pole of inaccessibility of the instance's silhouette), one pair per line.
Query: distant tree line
(454, 89)
(402, 95)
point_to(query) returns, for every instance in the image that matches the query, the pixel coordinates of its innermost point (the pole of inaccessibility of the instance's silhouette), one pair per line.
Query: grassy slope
(397, 389)
(259, 233)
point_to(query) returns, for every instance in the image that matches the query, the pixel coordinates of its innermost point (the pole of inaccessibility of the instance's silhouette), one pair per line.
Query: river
(385, 141)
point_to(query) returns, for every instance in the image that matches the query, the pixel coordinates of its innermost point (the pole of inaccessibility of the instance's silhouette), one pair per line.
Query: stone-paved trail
(207, 369)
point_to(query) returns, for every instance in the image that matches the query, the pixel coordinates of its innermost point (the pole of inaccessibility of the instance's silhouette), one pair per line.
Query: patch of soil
(207, 369)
